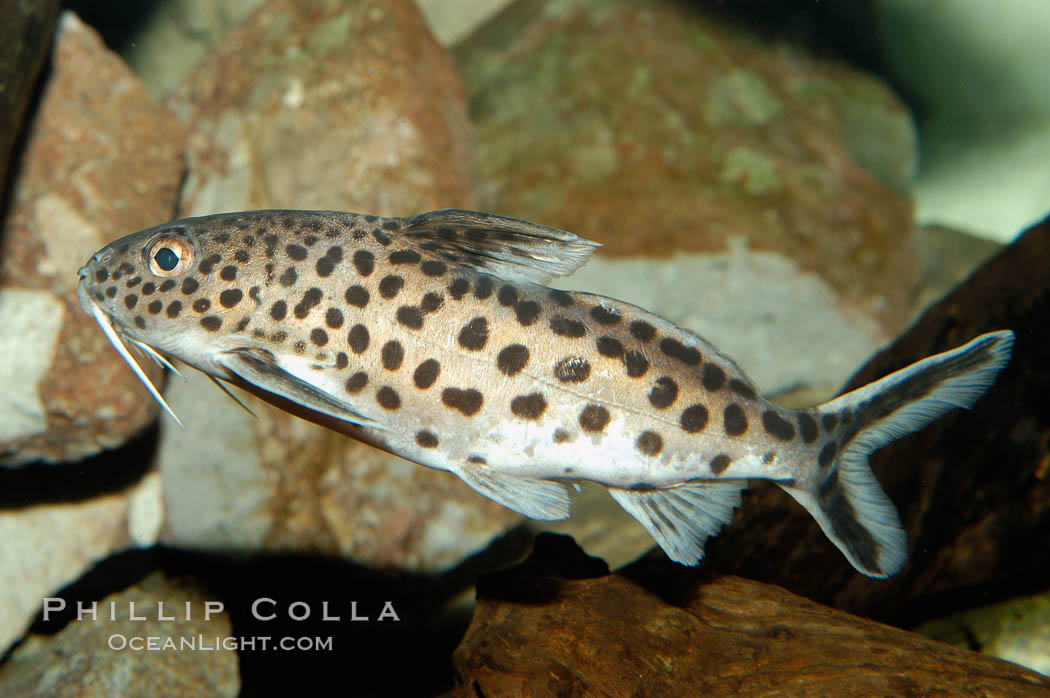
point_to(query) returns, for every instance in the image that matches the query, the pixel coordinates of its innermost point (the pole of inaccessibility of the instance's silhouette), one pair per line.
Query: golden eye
(169, 255)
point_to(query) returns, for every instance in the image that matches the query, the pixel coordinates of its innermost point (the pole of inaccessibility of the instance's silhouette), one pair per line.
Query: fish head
(170, 288)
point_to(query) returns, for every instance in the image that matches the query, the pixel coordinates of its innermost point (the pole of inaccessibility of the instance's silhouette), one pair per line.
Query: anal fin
(681, 519)
(537, 499)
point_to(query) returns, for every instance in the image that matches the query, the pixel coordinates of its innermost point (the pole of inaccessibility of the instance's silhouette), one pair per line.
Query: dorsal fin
(510, 248)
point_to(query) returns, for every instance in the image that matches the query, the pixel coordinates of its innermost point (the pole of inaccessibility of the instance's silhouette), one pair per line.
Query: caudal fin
(843, 494)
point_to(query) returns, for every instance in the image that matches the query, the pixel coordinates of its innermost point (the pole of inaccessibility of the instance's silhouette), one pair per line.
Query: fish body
(435, 337)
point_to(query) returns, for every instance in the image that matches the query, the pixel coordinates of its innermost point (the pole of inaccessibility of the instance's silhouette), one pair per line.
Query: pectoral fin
(259, 368)
(537, 499)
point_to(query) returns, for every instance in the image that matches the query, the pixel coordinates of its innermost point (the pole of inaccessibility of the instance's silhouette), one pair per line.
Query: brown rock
(973, 488)
(326, 105)
(558, 625)
(88, 658)
(25, 35)
(652, 128)
(101, 160)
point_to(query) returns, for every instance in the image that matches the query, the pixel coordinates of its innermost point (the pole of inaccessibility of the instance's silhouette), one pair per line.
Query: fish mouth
(120, 342)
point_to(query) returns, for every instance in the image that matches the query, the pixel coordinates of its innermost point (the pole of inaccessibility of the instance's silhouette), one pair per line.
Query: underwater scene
(524, 348)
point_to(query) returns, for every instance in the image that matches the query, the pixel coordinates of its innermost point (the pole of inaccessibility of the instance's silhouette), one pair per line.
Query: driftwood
(561, 625)
(973, 488)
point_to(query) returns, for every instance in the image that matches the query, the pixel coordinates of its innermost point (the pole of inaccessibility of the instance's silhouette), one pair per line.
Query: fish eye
(169, 255)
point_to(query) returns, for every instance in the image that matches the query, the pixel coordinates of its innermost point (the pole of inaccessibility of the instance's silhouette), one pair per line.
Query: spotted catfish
(434, 337)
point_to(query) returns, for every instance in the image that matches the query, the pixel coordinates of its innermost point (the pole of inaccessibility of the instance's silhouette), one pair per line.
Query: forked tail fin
(842, 493)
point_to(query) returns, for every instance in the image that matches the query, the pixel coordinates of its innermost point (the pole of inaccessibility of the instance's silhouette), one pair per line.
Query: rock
(652, 128)
(50, 544)
(972, 488)
(947, 257)
(452, 22)
(97, 658)
(277, 483)
(25, 35)
(560, 625)
(318, 105)
(101, 160)
(1017, 631)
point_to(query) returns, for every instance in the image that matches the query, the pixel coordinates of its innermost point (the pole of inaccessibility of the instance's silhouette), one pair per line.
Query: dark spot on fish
(388, 398)
(507, 296)
(650, 443)
(130, 300)
(527, 312)
(676, 350)
(433, 267)
(409, 316)
(364, 262)
(609, 347)
(334, 318)
(296, 252)
(242, 255)
(567, 328)
(719, 463)
(133, 282)
(228, 272)
(431, 302)
(458, 288)
(101, 275)
(404, 257)
(174, 308)
(278, 310)
(734, 420)
(356, 382)
(426, 439)
(807, 427)
(694, 418)
(208, 263)
(468, 401)
(211, 322)
(155, 307)
(829, 421)
(561, 298)
(381, 237)
(483, 288)
(777, 426)
(561, 436)
(474, 334)
(140, 322)
(593, 418)
(512, 359)
(572, 369)
(390, 286)
(342, 360)
(201, 305)
(358, 338)
(310, 299)
(531, 406)
(713, 377)
(288, 277)
(111, 291)
(641, 330)
(827, 454)
(664, 393)
(742, 389)
(167, 286)
(476, 460)
(392, 355)
(230, 297)
(318, 336)
(426, 374)
(636, 364)
(357, 296)
(605, 316)
(148, 288)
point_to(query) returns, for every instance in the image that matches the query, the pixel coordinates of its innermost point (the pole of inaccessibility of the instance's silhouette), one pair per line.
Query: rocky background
(742, 183)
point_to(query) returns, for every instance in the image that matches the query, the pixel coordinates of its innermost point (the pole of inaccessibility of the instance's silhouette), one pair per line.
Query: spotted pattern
(531, 406)
(426, 439)
(474, 335)
(310, 300)
(609, 347)
(334, 318)
(390, 285)
(364, 262)
(527, 313)
(358, 338)
(357, 382)
(212, 323)
(734, 420)
(468, 401)
(593, 418)
(742, 389)
(827, 454)
(230, 297)
(572, 369)
(426, 374)
(777, 426)
(636, 364)
(605, 316)
(719, 463)
(713, 377)
(409, 316)
(694, 418)
(392, 355)
(279, 310)
(289, 277)
(663, 393)
(650, 443)
(512, 359)
(676, 350)
(319, 337)
(388, 398)
(565, 327)
(807, 427)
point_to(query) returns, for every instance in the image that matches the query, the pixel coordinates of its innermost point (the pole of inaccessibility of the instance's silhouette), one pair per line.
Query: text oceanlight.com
(202, 643)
